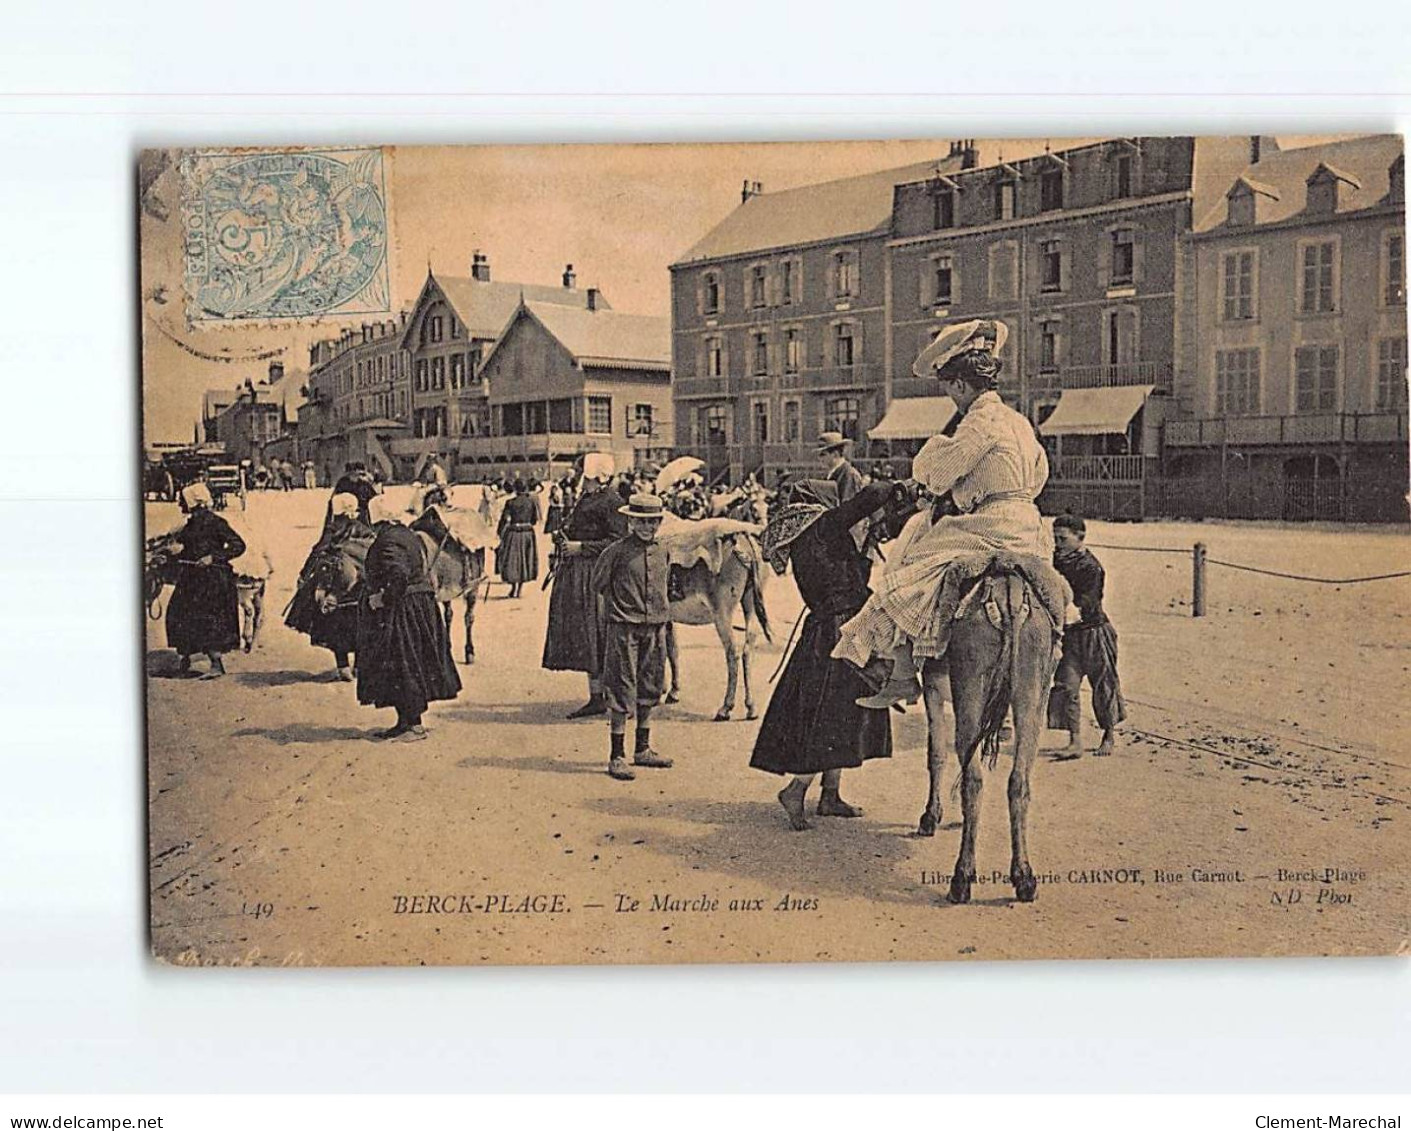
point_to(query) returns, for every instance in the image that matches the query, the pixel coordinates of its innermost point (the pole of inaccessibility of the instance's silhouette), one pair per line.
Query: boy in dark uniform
(1089, 646)
(630, 577)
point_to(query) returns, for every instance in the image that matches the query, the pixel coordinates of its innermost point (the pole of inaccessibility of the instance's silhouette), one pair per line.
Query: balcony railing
(1156, 373)
(864, 376)
(539, 446)
(1098, 469)
(687, 388)
(1307, 428)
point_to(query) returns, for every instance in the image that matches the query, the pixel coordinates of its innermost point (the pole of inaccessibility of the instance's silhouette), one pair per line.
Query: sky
(620, 214)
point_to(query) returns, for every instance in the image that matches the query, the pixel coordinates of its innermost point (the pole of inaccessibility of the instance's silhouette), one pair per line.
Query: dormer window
(1323, 187)
(1240, 206)
(1051, 189)
(1004, 200)
(1122, 174)
(943, 203)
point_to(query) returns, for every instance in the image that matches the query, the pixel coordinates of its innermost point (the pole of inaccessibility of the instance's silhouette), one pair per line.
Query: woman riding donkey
(993, 469)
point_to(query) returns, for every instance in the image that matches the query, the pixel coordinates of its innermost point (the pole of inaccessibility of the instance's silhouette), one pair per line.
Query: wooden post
(1198, 580)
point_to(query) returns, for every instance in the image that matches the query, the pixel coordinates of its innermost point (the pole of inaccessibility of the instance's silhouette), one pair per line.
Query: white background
(89, 83)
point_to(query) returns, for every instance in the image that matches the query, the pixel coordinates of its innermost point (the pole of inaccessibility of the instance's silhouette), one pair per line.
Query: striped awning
(914, 418)
(1095, 412)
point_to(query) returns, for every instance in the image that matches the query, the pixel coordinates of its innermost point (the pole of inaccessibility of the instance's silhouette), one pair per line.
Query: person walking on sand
(1089, 645)
(517, 558)
(630, 578)
(204, 613)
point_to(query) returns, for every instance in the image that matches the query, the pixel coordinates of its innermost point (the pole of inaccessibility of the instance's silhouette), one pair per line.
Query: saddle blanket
(691, 541)
(966, 572)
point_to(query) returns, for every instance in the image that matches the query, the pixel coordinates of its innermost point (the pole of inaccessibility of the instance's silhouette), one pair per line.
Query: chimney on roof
(569, 278)
(480, 267)
(966, 151)
(276, 372)
(1261, 147)
(749, 189)
(592, 298)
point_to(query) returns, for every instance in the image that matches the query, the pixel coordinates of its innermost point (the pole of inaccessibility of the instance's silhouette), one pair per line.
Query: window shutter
(1065, 266)
(926, 280)
(856, 274)
(1104, 261)
(857, 357)
(700, 295)
(1128, 338)
(832, 288)
(1137, 243)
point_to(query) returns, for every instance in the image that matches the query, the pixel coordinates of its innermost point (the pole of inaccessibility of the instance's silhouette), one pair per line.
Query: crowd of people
(870, 593)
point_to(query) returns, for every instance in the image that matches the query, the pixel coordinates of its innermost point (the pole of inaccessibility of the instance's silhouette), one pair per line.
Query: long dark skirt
(573, 642)
(336, 631)
(813, 722)
(404, 655)
(518, 556)
(553, 519)
(204, 613)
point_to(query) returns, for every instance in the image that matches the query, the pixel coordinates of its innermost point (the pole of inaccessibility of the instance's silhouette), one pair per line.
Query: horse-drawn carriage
(225, 479)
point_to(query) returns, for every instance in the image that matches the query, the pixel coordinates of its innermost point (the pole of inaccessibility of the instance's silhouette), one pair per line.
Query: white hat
(984, 335)
(598, 465)
(345, 505)
(196, 495)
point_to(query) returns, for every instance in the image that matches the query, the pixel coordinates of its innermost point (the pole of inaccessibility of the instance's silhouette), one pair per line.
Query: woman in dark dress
(334, 628)
(404, 653)
(553, 518)
(813, 723)
(518, 555)
(573, 640)
(204, 613)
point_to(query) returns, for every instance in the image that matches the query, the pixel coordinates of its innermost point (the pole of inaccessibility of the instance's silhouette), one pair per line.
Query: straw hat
(643, 506)
(830, 442)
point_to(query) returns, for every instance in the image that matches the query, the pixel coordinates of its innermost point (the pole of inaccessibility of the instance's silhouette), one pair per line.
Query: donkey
(1000, 657)
(707, 597)
(457, 571)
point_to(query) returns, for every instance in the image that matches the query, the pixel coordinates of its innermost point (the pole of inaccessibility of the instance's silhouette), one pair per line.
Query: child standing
(630, 576)
(1089, 646)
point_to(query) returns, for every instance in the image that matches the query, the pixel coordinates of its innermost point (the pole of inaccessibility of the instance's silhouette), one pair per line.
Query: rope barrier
(1137, 549)
(1303, 577)
(1257, 569)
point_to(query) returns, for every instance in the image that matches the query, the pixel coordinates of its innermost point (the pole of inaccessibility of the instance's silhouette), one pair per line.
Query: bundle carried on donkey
(716, 568)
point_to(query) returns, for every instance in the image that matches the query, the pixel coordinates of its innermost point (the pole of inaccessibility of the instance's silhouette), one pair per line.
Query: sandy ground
(1260, 802)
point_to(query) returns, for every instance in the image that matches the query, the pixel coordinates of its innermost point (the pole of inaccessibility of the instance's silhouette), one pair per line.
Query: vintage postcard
(861, 551)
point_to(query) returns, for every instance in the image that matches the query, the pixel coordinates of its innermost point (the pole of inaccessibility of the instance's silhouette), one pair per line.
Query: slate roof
(1281, 179)
(602, 337)
(813, 213)
(484, 308)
